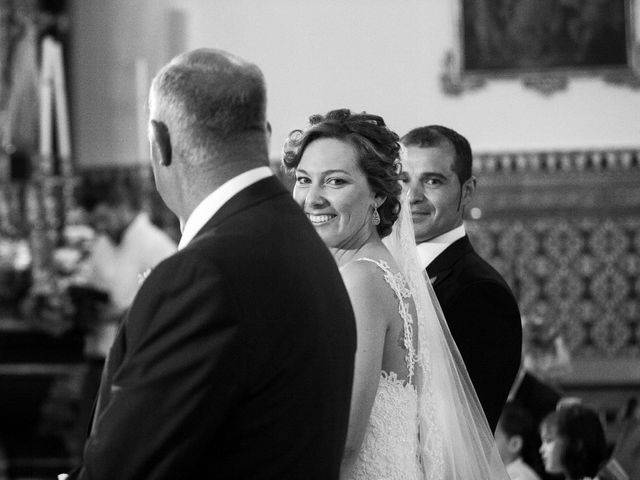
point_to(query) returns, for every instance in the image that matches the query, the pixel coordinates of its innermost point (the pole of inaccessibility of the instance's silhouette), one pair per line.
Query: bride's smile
(335, 194)
(317, 219)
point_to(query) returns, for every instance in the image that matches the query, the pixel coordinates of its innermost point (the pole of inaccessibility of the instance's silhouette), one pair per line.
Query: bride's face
(334, 193)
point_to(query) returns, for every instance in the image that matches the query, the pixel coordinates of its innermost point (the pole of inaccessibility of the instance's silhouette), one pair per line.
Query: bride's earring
(375, 218)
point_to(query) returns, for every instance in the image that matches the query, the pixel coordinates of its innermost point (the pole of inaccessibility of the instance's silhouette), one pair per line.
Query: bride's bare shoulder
(365, 281)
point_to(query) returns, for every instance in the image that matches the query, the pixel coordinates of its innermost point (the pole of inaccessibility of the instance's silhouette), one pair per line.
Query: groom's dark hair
(436, 135)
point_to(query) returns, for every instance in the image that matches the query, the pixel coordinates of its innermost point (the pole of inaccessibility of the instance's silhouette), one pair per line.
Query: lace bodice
(389, 450)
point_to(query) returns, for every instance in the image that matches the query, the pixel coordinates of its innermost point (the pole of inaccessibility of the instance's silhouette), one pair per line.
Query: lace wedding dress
(429, 426)
(390, 449)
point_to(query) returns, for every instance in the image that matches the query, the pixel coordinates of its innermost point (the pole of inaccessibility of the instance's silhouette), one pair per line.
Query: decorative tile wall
(564, 230)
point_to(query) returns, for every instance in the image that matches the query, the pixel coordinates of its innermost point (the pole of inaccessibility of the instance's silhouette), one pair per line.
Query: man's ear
(468, 190)
(162, 141)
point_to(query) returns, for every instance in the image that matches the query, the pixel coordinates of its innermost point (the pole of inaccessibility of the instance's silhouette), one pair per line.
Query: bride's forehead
(330, 154)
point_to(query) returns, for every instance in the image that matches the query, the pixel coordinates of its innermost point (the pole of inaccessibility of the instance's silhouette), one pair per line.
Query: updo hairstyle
(377, 150)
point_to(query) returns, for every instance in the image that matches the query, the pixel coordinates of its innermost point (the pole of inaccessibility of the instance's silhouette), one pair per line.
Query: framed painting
(543, 42)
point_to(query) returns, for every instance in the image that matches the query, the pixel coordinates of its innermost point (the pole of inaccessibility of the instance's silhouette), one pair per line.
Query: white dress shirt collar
(208, 207)
(429, 250)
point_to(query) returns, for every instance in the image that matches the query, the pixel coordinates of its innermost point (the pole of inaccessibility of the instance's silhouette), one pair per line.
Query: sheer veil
(455, 440)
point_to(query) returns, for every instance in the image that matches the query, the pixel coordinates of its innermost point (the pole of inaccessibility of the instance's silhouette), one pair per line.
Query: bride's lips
(320, 219)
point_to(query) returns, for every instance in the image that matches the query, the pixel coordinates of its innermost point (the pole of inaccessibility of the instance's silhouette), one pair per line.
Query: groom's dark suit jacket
(484, 320)
(236, 358)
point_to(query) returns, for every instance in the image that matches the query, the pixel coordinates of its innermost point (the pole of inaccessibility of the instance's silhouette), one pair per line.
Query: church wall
(551, 167)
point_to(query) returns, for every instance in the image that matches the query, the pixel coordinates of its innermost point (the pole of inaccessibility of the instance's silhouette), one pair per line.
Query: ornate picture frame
(544, 44)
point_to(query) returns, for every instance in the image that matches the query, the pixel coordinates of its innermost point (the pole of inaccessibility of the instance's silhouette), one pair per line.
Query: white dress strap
(398, 284)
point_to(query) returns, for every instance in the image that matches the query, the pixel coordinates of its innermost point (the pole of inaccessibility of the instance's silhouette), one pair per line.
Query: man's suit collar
(254, 193)
(443, 264)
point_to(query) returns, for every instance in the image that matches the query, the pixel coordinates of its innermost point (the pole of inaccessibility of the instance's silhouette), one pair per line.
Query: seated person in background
(127, 246)
(516, 440)
(624, 463)
(573, 441)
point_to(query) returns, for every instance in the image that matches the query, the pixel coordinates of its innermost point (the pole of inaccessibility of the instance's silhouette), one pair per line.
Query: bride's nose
(315, 197)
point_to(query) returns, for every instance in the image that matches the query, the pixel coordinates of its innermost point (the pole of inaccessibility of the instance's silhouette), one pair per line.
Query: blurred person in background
(516, 439)
(127, 246)
(573, 441)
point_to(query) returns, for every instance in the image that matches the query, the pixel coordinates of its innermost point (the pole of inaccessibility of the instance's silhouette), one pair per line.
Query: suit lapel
(442, 266)
(111, 364)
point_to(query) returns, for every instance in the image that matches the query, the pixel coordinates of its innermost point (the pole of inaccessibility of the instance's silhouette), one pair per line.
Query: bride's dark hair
(377, 148)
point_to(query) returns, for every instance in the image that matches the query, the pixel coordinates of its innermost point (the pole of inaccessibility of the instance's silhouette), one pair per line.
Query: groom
(478, 305)
(236, 357)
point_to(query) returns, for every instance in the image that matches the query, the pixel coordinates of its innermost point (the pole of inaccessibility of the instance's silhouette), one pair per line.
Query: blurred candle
(46, 108)
(62, 115)
(45, 117)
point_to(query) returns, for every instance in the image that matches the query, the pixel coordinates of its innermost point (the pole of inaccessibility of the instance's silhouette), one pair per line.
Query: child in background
(573, 442)
(515, 438)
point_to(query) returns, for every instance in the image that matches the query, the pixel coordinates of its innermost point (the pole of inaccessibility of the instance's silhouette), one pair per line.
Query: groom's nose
(416, 192)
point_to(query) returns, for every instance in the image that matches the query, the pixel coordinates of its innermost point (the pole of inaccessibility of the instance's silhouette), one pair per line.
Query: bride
(414, 413)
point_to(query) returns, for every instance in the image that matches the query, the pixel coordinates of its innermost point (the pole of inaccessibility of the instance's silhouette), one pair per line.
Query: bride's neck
(346, 254)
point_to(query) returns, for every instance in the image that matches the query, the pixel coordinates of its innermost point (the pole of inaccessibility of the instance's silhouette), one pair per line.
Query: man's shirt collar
(429, 250)
(208, 207)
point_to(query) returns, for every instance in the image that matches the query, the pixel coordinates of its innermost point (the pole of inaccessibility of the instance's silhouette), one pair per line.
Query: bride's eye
(300, 180)
(335, 182)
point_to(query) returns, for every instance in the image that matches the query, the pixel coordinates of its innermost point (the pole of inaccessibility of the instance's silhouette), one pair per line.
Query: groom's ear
(468, 190)
(161, 142)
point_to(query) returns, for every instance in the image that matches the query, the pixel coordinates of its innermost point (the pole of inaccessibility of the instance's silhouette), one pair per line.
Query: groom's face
(434, 190)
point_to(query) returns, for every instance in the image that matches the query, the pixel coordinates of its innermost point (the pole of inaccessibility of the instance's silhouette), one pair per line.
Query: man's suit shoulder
(471, 268)
(472, 280)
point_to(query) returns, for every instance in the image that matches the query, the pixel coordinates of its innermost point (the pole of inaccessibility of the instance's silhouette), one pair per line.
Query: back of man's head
(437, 135)
(211, 101)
